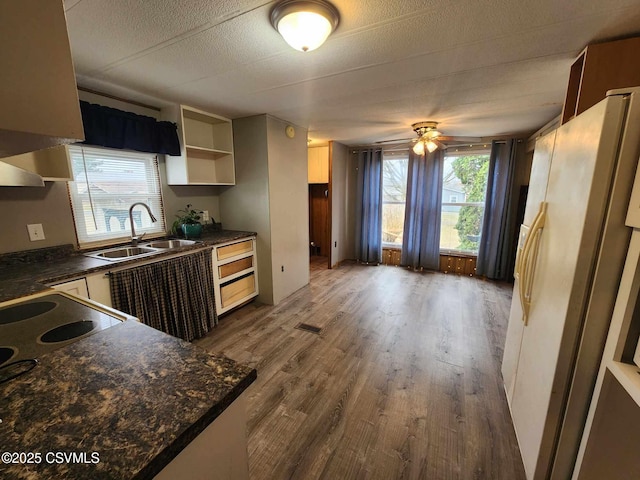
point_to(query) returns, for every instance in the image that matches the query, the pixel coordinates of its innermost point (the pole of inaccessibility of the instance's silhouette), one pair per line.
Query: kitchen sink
(121, 253)
(170, 243)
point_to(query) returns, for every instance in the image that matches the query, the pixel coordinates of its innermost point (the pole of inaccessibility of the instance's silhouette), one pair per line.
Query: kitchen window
(464, 186)
(106, 183)
(394, 195)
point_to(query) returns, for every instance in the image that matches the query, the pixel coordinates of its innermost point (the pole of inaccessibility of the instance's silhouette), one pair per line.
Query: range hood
(12, 176)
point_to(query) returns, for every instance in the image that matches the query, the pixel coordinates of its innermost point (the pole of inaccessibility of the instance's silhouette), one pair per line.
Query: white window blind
(106, 183)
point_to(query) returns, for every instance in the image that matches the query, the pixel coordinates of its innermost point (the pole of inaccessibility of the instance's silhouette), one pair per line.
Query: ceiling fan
(427, 137)
(430, 139)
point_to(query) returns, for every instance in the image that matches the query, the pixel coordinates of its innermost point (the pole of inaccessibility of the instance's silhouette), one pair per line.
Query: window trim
(113, 241)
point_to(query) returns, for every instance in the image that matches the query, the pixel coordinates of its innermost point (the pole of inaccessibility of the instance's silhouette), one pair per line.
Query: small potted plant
(188, 222)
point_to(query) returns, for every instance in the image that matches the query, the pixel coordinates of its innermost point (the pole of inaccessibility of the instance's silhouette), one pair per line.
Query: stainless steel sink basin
(151, 248)
(121, 253)
(170, 243)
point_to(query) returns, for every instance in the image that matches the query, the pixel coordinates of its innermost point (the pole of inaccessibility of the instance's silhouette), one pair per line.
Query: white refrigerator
(571, 252)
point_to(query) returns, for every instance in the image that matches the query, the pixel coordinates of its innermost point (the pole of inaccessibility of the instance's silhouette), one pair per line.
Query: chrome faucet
(136, 238)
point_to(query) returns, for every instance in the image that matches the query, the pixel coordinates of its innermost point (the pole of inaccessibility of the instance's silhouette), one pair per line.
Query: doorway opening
(319, 235)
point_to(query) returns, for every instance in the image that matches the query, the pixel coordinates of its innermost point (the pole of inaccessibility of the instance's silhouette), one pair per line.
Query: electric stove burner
(24, 311)
(45, 322)
(6, 354)
(68, 331)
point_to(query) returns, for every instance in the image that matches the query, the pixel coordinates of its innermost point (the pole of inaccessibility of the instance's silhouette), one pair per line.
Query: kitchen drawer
(237, 290)
(231, 268)
(234, 249)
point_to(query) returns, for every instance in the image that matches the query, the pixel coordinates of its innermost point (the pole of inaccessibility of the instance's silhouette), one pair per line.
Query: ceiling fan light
(431, 146)
(418, 148)
(304, 24)
(431, 134)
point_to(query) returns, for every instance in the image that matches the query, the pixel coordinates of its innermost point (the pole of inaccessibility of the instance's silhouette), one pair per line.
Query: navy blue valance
(113, 128)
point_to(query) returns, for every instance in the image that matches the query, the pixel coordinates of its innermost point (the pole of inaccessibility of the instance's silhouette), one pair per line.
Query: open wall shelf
(206, 149)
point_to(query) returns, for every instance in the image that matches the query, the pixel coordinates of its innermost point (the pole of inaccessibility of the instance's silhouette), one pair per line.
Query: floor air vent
(308, 328)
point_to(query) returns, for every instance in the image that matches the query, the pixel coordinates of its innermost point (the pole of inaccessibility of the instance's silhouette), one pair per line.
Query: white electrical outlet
(35, 232)
(205, 216)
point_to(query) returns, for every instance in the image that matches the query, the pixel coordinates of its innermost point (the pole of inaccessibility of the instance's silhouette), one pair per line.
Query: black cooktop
(45, 323)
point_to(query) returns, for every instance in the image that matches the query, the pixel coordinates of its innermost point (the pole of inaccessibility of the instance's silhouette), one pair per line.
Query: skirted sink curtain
(421, 235)
(369, 207)
(174, 296)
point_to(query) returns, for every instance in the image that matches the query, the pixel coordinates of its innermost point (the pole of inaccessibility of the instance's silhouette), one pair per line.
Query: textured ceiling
(480, 68)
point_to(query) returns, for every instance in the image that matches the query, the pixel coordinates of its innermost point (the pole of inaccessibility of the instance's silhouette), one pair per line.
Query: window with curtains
(394, 196)
(463, 200)
(106, 183)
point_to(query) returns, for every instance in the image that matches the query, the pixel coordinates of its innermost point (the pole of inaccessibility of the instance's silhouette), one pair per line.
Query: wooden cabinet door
(318, 159)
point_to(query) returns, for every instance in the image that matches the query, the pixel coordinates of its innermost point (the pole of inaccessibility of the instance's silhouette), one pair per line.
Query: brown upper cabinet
(599, 68)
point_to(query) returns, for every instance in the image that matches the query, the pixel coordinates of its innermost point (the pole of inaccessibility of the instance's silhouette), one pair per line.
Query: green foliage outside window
(472, 172)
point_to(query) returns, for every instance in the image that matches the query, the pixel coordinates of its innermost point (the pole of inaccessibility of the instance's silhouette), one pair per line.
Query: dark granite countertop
(20, 275)
(133, 395)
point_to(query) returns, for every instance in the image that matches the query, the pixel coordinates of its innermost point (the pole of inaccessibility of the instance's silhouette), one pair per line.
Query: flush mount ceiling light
(304, 24)
(427, 133)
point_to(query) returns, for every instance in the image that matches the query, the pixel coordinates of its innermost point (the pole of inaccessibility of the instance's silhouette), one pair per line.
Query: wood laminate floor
(403, 382)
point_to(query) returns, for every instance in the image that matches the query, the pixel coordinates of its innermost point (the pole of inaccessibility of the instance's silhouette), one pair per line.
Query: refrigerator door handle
(529, 254)
(517, 271)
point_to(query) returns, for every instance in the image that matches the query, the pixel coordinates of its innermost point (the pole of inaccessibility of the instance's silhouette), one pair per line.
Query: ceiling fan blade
(454, 138)
(397, 140)
(440, 145)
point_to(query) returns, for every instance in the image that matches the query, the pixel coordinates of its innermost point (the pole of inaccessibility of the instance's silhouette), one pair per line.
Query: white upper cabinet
(206, 144)
(52, 164)
(38, 92)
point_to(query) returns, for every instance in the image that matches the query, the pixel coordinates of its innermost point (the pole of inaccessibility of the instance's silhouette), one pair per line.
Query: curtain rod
(114, 97)
(453, 148)
(484, 141)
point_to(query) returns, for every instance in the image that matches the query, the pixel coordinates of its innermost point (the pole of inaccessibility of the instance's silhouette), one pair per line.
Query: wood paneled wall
(391, 256)
(462, 265)
(318, 218)
(458, 264)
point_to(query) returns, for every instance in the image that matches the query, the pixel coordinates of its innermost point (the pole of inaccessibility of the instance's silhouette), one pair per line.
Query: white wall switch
(35, 232)
(205, 216)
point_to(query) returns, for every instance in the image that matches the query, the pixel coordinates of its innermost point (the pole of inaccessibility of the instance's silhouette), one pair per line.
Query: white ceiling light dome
(305, 24)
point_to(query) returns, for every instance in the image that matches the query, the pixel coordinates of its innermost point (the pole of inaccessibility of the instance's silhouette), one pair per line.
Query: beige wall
(50, 205)
(176, 197)
(271, 198)
(289, 208)
(246, 205)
